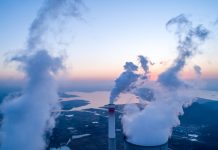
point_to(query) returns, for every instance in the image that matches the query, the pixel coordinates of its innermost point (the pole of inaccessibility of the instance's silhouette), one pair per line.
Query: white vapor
(26, 118)
(189, 38)
(123, 83)
(29, 118)
(127, 81)
(151, 122)
(51, 11)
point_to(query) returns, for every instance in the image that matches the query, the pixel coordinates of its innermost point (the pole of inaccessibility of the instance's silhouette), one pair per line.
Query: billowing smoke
(151, 123)
(28, 118)
(144, 64)
(127, 81)
(51, 11)
(144, 93)
(189, 39)
(124, 81)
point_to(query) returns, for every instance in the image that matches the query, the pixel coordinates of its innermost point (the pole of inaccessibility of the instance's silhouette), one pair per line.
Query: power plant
(127, 144)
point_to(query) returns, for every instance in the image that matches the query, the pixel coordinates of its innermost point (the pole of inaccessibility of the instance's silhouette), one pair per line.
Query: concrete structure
(111, 127)
(130, 146)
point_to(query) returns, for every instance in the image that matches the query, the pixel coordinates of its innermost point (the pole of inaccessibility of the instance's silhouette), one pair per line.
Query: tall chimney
(111, 127)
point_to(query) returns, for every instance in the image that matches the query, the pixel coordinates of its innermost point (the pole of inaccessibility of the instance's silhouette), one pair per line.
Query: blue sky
(114, 31)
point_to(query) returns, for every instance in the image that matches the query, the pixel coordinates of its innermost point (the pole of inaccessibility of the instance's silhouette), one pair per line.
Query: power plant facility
(127, 145)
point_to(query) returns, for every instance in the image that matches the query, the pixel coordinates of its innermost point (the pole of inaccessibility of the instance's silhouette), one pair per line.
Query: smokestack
(130, 146)
(111, 127)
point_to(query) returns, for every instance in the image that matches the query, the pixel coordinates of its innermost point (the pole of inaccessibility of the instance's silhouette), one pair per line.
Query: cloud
(28, 118)
(51, 11)
(189, 38)
(150, 122)
(124, 81)
(33, 112)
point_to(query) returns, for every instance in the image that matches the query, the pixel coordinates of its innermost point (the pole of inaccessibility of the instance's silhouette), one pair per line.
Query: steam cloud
(123, 83)
(151, 123)
(189, 39)
(28, 117)
(126, 81)
(52, 10)
(144, 64)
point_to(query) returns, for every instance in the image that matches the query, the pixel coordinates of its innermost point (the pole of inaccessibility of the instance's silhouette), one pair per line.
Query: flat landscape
(88, 129)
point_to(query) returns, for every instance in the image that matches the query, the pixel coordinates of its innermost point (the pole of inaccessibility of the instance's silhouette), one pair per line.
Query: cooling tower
(111, 127)
(130, 146)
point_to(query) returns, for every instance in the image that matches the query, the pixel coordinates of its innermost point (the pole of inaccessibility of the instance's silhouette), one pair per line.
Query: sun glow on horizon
(97, 48)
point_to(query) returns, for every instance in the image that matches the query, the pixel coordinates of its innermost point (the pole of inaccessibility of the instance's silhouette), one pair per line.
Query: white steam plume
(144, 64)
(189, 39)
(144, 93)
(151, 124)
(124, 81)
(28, 118)
(51, 11)
(127, 81)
